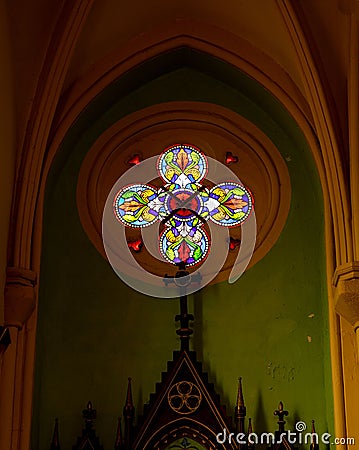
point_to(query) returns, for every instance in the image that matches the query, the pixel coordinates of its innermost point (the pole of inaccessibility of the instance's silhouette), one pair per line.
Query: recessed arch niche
(89, 321)
(213, 129)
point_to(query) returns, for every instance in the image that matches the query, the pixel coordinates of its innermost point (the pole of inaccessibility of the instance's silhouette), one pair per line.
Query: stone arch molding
(212, 128)
(181, 34)
(197, 36)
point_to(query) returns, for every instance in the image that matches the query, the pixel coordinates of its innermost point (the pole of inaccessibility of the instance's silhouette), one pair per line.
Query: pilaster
(346, 292)
(346, 301)
(16, 375)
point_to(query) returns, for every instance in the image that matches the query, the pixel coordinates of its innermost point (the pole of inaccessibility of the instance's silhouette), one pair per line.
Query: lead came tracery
(183, 205)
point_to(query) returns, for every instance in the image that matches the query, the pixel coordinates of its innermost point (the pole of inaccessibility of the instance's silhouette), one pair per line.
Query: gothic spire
(314, 445)
(240, 399)
(89, 414)
(250, 445)
(55, 442)
(119, 438)
(128, 415)
(129, 402)
(240, 409)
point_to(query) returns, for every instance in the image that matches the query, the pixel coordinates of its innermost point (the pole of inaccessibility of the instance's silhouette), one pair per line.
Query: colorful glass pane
(185, 443)
(233, 204)
(184, 204)
(184, 243)
(182, 165)
(137, 205)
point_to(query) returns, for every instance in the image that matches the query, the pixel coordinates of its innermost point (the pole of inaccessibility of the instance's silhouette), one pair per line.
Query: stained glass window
(183, 205)
(185, 443)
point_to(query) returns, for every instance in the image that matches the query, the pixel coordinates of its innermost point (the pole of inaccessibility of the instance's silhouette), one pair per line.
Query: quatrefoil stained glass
(183, 205)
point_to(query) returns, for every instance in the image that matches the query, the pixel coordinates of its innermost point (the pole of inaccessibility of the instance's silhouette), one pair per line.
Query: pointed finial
(240, 399)
(281, 413)
(129, 401)
(314, 444)
(250, 428)
(55, 443)
(128, 416)
(250, 445)
(240, 409)
(128, 410)
(89, 414)
(119, 438)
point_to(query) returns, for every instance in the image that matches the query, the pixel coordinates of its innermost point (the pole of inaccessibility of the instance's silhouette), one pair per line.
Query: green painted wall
(94, 331)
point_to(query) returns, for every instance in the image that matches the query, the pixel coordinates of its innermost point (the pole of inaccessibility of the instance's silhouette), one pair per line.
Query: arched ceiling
(111, 24)
(55, 51)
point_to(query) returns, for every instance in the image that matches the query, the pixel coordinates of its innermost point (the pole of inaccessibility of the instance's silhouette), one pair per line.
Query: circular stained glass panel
(185, 243)
(183, 165)
(232, 204)
(137, 205)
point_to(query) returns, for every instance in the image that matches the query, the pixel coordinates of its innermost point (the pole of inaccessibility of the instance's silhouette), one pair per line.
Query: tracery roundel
(183, 204)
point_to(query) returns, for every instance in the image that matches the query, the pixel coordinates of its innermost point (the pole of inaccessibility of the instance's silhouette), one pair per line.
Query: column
(17, 371)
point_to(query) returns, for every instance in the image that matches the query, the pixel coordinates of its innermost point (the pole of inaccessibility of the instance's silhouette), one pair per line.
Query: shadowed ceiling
(111, 24)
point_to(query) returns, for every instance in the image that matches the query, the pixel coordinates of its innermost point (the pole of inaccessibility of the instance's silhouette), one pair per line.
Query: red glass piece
(184, 251)
(234, 243)
(230, 158)
(135, 159)
(181, 197)
(135, 245)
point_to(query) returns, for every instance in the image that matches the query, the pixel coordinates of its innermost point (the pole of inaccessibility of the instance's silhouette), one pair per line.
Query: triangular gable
(184, 404)
(88, 442)
(283, 445)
